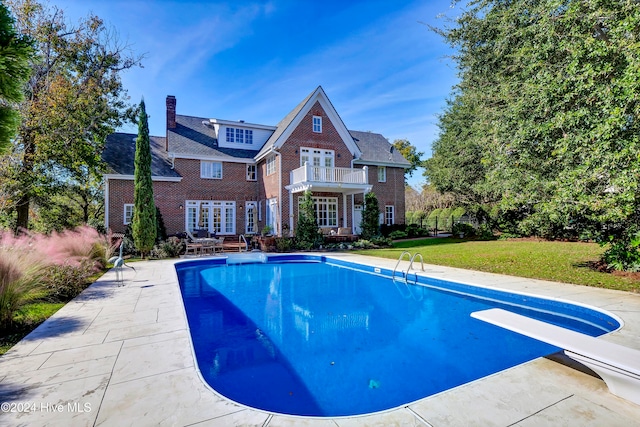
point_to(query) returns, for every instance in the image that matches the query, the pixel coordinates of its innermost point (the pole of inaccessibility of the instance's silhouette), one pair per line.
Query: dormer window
(239, 136)
(317, 124)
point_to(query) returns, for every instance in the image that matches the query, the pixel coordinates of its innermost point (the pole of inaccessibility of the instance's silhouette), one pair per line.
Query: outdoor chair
(193, 246)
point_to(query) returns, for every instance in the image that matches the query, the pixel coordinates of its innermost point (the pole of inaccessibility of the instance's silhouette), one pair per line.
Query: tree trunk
(26, 176)
(22, 209)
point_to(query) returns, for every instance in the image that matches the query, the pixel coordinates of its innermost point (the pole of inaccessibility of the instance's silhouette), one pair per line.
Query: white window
(212, 215)
(317, 157)
(240, 136)
(326, 210)
(128, 213)
(251, 217)
(382, 174)
(328, 158)
(317, 124)
(305, 156)
(272, 214)
(271, 165)
(388, 215)
(211, 170)
(251, 173)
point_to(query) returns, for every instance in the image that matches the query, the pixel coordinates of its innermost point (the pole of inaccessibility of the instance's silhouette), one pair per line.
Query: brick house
(233, 177)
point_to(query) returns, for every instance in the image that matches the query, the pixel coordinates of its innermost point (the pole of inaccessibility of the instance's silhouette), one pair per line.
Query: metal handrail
(246, 245)
(398, 263)
(405, 276)
(411, 262)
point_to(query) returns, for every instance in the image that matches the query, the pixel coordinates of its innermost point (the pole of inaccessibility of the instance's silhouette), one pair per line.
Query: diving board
(617, 365)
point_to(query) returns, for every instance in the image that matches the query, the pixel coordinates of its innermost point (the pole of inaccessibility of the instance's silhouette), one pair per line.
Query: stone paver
(118, 356)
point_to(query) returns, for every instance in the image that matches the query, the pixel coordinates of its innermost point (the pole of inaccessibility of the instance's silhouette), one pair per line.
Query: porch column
(290, 212)
(344, 210)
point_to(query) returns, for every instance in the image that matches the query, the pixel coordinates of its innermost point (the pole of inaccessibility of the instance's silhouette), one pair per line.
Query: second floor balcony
(321, 178)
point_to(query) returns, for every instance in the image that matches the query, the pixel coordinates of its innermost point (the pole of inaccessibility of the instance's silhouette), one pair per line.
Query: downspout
(106, 203)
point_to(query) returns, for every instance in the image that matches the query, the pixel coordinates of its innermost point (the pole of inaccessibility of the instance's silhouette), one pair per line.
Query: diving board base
(617, 365)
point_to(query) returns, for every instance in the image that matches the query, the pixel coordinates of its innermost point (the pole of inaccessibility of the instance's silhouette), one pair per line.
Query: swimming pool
(311, 335)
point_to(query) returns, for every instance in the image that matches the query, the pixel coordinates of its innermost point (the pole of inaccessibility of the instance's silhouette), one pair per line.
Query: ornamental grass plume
(21, 273)
(72, 247)
(59, 264)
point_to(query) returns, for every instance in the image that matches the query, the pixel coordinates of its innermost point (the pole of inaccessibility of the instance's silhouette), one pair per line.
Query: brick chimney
(171, 118)
(171, 112)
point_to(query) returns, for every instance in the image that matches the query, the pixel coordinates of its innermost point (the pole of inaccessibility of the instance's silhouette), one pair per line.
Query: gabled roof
(376, 150)
(295, 116)
(192, 137)
(119, 154)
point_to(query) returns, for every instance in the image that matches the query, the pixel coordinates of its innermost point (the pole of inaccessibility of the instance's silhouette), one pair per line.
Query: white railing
(308, 173)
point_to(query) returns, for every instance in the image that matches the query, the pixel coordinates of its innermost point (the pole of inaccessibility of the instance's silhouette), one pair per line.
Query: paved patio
(118, 356)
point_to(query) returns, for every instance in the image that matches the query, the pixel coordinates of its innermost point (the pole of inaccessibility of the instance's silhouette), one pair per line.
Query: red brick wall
(388, 193)
(166, 196)
(304, 136)
(169, 196)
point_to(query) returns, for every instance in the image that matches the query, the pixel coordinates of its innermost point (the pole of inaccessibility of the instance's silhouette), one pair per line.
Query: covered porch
(334, 181)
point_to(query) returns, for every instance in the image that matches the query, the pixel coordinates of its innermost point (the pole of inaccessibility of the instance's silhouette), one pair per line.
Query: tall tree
(370, 216)
(410, 153)
(547, 114)
(307, 235)
(15, 52)
(143, 225)
(74, 99)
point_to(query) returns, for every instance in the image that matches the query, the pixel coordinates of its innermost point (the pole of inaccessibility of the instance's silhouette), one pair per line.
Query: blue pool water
(316, 338)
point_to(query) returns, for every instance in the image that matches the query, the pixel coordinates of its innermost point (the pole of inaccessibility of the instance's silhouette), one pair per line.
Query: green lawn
(557, 261)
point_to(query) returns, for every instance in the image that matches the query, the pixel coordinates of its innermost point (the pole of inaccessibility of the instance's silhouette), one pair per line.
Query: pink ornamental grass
(59, 262)
(70, 247)
(21, 273)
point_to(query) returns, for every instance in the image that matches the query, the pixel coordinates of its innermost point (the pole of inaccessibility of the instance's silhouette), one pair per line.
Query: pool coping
(107, 349)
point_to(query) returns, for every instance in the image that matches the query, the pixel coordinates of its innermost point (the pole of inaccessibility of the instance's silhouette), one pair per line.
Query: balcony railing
(320, 174)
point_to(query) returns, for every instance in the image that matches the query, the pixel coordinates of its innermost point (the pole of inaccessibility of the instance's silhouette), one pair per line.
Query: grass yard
(566, 262)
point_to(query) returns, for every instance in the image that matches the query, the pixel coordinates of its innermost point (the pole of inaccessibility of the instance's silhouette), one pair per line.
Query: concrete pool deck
(118, 356)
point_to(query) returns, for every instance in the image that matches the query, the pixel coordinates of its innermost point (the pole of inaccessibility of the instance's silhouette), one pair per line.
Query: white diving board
(617, 365)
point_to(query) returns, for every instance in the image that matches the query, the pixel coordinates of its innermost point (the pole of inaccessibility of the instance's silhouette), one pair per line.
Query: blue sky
(382, 68)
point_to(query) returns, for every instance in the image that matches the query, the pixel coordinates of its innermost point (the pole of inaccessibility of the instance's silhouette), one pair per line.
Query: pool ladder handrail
(413, 258)
(398, 263)
(246, 245)
(405, 276)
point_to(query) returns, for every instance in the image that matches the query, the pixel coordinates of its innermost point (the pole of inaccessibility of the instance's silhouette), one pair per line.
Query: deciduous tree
(410, 153)
(544, 125)
(74, 99)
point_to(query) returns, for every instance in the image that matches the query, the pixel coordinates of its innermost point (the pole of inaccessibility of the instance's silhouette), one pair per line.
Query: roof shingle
(191, 136)
(119, 154)
(376, 149)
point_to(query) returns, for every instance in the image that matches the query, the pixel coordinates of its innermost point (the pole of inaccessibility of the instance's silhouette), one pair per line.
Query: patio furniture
(210, 245)
(617, 365)
(202, 245)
